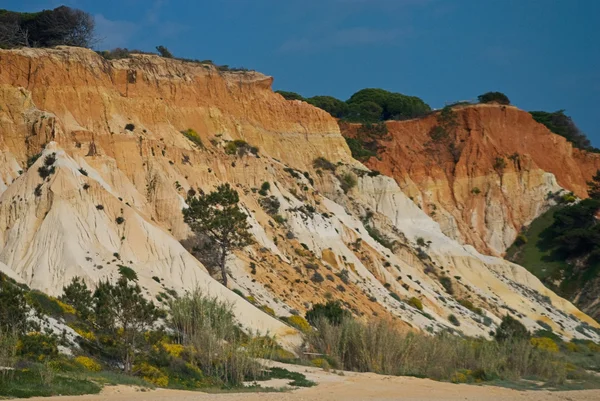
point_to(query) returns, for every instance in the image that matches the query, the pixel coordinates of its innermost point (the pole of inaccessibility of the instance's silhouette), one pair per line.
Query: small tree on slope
(218, 216)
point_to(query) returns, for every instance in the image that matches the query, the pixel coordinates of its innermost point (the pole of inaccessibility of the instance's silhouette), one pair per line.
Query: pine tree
(219, 217)
(594, 186)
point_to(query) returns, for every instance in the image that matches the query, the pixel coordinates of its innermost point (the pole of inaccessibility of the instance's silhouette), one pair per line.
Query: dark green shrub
(129, 127)
(324, 164)
(332, 311)
(497, 97)
(128, 273)
(511, 328)
(454, 320)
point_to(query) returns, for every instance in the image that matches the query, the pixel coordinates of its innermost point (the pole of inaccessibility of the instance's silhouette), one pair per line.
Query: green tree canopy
(332, 311)
(511, 328)
(333, 106)
(60, 26)
(290, 95)
(497, 97)
(561, 124)
(219, 217)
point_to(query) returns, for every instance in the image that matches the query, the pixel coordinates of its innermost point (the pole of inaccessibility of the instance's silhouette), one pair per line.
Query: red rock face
(464, 188)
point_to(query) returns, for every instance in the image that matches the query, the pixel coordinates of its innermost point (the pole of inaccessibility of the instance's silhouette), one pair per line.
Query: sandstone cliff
(463, 189)
(119, 170)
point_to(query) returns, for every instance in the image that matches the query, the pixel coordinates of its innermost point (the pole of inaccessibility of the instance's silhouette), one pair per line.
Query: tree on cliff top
(47, 28)
(497, 97)
(219, 217)
(561, 124)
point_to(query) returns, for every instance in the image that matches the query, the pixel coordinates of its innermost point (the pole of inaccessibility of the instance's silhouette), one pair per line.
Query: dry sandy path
(351, 387)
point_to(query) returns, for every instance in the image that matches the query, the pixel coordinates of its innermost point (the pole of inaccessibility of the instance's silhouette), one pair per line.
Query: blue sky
(544, 54)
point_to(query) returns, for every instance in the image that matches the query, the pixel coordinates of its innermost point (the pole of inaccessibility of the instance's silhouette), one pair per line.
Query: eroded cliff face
(459, 182)
(120, 169)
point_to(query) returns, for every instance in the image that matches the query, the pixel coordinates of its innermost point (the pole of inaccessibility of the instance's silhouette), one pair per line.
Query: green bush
(520, 240)
(324, 164)
(416, 303)
(454, 320)
(511, 328)
(348, 181)
(332, 311)
(359, 149)
(194, 137)
(496, 97)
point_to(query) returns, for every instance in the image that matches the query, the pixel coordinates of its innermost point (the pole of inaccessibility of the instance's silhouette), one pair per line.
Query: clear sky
(544, 54)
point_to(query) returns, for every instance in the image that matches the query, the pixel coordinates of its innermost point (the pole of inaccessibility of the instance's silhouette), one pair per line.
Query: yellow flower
(88, 335)
(88, 363)
(174, 350)
(152, 374)
(300, 323)
(544, 343)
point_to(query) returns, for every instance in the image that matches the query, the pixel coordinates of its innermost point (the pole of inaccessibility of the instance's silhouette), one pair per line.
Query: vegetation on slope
(513, 354)
(562, 247)
(368, 105)
(60, 26)
(123, 339)
(561, 124)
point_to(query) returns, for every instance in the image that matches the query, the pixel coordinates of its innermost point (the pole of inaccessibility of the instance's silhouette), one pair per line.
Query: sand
(350, 387)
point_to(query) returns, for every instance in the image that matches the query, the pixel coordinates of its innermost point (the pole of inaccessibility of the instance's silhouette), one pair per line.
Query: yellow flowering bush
(65, 308)
(320, 363)
(174, 350)
(152, 374)
(88, 363)
(572, 347)
(544, 343)
(459, 377)
(300, 323)
(268, 310)
(593, 346)
(88, 335)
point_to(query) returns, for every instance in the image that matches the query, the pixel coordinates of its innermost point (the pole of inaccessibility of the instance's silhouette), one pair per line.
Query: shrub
(317, 278)
(129, 127)
(469, 305)
(511, 328)
(100, 207)
(544, 343)
(219, 348)
(421, 241)
(240, 147)
(270, 204)
(119, 220)
(299, 322)
(494, 97)
(446, 282)
(379, 346)
(359, 149)
(193, 137)
(332, 311)
(453, 319)
(151, 374)
(37, 346)
(264, 188)
(128, 273)
(475, 191)
(520, 240)
(83, 172)
(561, 124)
(324, 164)
(348, 181)
(268, 310)
(32, 159)
(88, 363)
(164, 52)
(416, 303)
